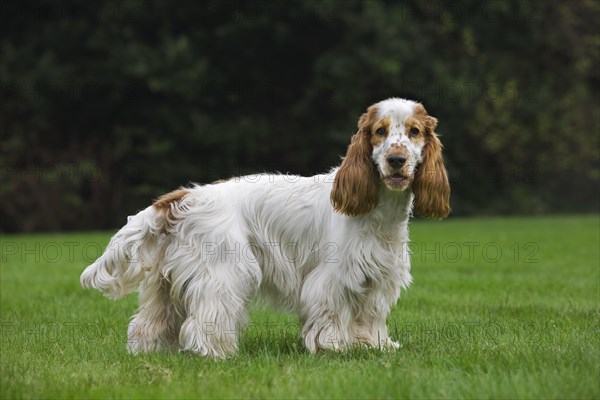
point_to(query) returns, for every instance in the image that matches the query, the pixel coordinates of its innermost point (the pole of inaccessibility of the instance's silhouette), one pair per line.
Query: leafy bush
(105, 105)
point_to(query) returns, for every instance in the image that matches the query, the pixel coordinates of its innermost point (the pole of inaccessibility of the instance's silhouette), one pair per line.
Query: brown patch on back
(169, 205)
(164, 202)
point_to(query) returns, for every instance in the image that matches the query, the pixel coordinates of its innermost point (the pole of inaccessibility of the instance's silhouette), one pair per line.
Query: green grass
(475, 324)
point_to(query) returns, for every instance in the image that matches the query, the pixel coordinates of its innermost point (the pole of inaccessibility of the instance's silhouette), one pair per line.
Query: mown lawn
(499, 308)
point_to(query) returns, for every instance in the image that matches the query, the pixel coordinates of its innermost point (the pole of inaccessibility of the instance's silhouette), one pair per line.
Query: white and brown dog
(331, 247)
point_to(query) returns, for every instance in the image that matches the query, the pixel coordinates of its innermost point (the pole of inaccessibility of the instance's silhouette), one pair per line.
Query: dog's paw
(324, 337)
(389, 345)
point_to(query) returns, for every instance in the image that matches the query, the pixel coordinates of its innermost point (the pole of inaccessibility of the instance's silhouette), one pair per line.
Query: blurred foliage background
(105, 105)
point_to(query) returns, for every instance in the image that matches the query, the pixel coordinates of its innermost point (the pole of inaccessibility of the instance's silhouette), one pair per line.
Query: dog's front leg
(369, 327)
(325, 315)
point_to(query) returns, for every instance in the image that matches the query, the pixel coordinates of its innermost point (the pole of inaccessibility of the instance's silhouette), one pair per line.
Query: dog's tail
(133, 250)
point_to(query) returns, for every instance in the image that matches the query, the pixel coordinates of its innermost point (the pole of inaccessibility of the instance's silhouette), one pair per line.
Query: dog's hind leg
(156, 325)
(215, 301)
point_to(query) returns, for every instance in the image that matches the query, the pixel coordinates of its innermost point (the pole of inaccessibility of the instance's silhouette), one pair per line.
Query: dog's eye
(414, 132)
(380, 132)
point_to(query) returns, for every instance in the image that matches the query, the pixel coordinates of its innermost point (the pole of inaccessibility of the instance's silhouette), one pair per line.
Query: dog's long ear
(355, 190)
(431, 187)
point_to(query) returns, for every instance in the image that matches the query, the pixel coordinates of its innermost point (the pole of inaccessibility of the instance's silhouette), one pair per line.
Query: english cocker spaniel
(331, 247)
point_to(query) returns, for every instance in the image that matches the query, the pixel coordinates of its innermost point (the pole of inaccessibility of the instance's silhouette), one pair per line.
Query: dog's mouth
(397, 181)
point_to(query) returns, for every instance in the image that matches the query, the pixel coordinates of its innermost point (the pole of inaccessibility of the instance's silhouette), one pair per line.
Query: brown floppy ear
(431, 187)
(355, 190)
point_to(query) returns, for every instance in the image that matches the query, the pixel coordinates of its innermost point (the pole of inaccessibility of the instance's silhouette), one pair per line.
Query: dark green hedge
(105, 105)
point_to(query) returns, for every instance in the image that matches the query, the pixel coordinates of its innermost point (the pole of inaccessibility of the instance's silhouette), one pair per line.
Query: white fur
(198, 267)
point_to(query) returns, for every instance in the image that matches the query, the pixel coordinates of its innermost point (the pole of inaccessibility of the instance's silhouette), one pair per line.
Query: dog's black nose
(396, 161)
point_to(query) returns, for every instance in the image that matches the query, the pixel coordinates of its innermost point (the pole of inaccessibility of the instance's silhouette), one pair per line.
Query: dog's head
(395, 146)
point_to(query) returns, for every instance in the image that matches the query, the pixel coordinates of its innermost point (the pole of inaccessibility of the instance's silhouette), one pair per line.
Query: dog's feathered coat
(332, 247)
